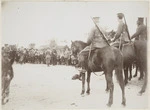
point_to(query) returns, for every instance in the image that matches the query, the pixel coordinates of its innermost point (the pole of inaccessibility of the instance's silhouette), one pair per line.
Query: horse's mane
(79, 45)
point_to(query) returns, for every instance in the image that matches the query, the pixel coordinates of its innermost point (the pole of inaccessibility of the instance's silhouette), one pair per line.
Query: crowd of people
(40, 56)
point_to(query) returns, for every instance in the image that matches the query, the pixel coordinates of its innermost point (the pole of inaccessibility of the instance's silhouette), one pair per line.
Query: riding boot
(78, 76)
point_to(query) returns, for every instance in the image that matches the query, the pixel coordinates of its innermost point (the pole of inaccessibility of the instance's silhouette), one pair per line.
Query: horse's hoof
(109, 104)
(140, 93)
(123, 103)
(87, 93)
(130, 78)
(82, 92)
(106, 90)
(125, 82)
(134, 75)
(82, 95)
(7, 100)
(4, 101)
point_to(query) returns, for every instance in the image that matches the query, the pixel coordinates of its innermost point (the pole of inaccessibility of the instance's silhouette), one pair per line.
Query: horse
(129, 57)
(7, 73)
(135, 52)
(105, 59)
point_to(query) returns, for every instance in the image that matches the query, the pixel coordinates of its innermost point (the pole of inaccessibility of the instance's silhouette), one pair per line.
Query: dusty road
(38, 87)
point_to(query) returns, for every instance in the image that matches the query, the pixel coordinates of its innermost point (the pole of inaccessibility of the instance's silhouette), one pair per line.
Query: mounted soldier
(95, 40)
(97, 57)
(141, 31)
(121, 37)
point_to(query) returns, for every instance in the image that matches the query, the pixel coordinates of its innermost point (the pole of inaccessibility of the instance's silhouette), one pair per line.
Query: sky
(38, 22)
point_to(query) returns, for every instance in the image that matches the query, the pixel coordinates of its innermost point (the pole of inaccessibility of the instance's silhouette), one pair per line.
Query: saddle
(87, 58)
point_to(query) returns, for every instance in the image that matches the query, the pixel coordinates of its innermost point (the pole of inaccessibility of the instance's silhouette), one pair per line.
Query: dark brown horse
(135, 52)
(105, 59)
(129, 58)
(141, 54)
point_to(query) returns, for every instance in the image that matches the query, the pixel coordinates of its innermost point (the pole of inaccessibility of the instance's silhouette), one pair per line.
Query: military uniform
(121, 35)
(95, 40)
(141, 31)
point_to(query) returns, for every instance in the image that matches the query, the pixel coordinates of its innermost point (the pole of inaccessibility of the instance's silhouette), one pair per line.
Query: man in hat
(121, 35)
(141, 32)
(95, 40)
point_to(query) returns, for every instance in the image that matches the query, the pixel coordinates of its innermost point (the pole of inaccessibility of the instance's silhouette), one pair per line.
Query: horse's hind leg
(125, 74)
(121, 83)
(109, 80)
(83, 83)
(141, 74)
(130, 69)
(107, 89)
(136, 71)
(144, 85)
(88, 82)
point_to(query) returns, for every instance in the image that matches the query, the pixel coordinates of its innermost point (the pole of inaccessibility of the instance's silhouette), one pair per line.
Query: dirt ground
(38, 87)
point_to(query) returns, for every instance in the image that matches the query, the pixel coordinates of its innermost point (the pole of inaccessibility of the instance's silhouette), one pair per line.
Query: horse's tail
(119, 67)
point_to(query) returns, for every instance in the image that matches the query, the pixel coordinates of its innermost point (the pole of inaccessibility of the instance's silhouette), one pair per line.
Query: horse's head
(77, 46)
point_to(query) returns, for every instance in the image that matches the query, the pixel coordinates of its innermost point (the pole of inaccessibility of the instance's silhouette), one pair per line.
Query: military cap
(140, 19)
(120, 15)
(97, 18)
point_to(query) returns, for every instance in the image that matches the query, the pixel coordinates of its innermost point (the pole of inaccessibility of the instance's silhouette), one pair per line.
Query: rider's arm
(138, 31)
(119, 31)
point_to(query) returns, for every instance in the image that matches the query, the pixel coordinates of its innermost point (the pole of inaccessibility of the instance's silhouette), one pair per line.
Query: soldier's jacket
(95, 38)
(121, 32)
(121, 35)
(141, 32)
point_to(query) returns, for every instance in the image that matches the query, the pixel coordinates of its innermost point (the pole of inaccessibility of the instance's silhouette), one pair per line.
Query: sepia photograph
(74, 55)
